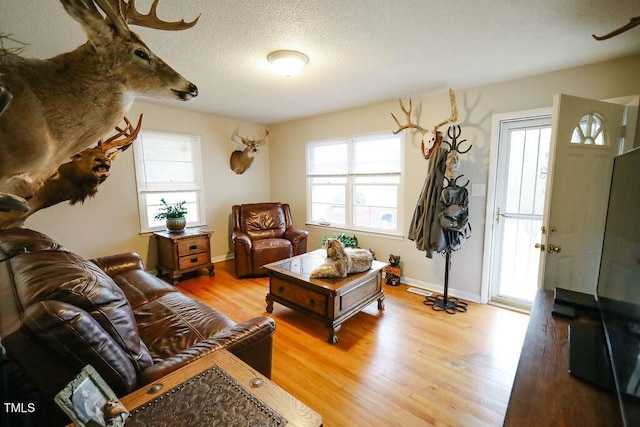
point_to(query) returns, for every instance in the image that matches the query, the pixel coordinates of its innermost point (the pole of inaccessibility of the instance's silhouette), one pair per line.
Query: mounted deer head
(78, 179)
(241, 160)
(432, 137)
(62, 105)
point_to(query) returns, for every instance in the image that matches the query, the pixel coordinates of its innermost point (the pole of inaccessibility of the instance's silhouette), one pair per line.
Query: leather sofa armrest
(75, 335)
(251, 339)
(119, 263)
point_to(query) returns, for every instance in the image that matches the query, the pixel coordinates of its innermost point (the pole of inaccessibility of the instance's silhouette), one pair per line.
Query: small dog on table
(342, 261)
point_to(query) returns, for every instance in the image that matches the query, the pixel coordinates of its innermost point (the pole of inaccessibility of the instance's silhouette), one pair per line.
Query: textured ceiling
(361, 51)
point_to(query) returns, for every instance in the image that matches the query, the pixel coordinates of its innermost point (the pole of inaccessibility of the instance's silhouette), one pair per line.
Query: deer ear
(95, 26)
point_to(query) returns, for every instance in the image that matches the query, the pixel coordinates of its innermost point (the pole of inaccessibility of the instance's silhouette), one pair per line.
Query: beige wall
(109, 223)
(475, 108)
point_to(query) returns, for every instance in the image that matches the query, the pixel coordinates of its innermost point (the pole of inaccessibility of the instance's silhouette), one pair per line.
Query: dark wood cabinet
(179, 253)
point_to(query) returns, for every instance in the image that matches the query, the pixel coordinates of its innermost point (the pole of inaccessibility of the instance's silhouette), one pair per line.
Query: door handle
(540, 246)
(553, 248)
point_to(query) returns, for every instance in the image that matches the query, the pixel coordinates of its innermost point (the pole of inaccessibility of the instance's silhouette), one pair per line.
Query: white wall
(108, 223)
(475, 109)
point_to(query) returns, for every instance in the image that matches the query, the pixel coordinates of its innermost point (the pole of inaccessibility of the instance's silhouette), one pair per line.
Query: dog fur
(342, 261)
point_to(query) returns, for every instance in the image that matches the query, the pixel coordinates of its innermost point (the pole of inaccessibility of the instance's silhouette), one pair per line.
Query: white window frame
(145, 188)
(351, 177)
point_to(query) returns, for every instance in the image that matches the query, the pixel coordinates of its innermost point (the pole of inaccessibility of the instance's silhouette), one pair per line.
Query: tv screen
(618, 290)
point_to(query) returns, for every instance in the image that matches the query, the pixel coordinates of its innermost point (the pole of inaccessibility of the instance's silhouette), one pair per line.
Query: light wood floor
(405, 366)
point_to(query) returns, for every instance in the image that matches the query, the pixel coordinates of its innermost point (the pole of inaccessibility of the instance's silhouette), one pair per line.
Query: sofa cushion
(174, 322)
(50, 272)
(78, 338)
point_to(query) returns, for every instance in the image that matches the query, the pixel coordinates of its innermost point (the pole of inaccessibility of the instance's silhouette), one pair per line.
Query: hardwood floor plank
(406, 365)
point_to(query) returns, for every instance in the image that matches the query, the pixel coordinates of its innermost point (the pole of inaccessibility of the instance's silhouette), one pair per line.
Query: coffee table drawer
(360, 293)
(309, 299)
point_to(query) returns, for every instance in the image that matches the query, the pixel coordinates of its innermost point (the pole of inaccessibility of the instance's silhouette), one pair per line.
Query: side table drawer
(306, 298)
(193, 260)
(192, 246)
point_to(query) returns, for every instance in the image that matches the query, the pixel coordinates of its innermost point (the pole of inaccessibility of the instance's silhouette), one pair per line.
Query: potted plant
(174, 214)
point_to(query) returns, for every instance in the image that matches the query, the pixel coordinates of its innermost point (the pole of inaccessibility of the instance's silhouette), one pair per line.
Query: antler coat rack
(440, 221)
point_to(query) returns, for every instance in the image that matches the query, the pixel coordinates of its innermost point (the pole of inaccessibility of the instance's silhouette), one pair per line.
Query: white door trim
(491, 189)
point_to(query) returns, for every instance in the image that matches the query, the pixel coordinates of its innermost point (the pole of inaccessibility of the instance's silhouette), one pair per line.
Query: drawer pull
(192, 247)
(281, 289)
(194, 259)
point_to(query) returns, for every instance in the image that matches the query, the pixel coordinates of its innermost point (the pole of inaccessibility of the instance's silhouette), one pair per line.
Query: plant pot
(175, 225)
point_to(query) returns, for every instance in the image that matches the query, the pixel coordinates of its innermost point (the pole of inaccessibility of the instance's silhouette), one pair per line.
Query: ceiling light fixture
(287, 62)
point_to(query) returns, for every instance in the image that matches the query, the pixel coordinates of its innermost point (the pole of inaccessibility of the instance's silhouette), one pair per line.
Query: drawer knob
(281, 289)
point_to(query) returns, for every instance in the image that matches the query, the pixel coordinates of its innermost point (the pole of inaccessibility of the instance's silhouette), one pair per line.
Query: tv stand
(544, 393)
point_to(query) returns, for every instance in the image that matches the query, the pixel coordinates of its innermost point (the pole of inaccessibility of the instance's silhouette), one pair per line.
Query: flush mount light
(287, 62)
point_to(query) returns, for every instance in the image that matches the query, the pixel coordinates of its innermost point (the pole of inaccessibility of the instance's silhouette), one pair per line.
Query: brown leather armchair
(264, 233)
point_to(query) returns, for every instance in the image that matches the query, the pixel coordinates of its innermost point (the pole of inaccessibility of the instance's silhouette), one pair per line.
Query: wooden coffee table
(332, 300)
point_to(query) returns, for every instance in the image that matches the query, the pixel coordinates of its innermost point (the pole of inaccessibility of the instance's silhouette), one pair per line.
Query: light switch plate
(478, 190)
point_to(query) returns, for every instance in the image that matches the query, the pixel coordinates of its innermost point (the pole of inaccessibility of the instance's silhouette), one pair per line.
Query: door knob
(540, 246)
(553, 248)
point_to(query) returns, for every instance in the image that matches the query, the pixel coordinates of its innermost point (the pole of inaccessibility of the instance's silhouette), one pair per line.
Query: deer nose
(193, 90)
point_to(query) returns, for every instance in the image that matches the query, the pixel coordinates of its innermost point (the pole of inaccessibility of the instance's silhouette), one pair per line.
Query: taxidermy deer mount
(633, 22)
(63, 104)
(78, 179)
(241, 160)
(433, 137)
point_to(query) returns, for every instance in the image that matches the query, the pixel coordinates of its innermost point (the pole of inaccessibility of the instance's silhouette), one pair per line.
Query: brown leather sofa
(264, 233)
(60, 312)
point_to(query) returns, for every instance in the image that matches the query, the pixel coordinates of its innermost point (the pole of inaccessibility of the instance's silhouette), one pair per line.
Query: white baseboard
(438, 289)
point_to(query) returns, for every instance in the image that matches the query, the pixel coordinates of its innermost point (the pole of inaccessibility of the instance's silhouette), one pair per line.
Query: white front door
(586, 136)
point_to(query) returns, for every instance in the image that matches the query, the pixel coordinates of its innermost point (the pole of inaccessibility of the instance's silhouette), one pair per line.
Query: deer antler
(121, 12)
(633, 22)
(151, 20)
(252, 142)
(129, 133)
(454, 112)
(409, 125)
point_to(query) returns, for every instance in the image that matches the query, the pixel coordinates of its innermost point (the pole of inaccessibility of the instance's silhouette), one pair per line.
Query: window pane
(328, 159)
(154, 205)
(380, 155)
(328, 203)
(376, 206)
(168, 159)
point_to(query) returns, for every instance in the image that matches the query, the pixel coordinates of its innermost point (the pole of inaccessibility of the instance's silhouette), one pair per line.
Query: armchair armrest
(298, 239)
(240, 238)
(238, 339)
(119, 263)
(295, 235)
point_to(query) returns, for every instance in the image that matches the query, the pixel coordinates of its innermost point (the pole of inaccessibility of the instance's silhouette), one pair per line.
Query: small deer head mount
(431, 138)
(241, 160)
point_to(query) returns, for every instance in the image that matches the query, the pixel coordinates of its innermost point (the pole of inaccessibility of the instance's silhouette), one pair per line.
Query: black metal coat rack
(444, 302)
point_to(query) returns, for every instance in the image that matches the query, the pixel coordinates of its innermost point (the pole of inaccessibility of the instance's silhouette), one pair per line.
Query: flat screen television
(608, 353)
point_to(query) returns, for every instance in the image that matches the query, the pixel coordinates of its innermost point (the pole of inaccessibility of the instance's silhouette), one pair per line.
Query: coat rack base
(451, 305)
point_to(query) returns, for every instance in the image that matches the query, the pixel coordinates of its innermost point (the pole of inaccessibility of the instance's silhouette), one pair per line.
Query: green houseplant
(174, 214)
(347, 241)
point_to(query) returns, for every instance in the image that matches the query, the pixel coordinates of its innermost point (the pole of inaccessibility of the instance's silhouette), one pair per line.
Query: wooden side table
(179, 253)
(252, 389)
